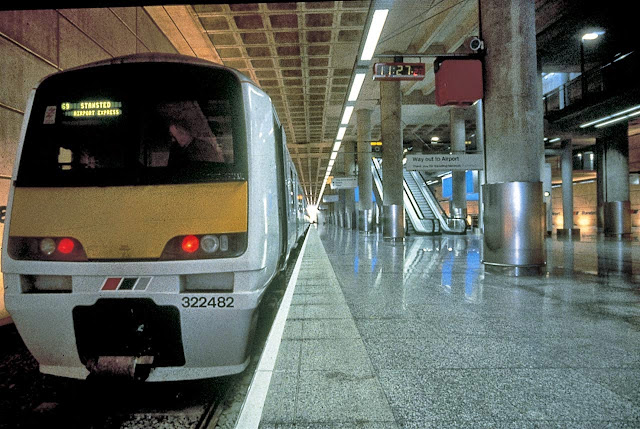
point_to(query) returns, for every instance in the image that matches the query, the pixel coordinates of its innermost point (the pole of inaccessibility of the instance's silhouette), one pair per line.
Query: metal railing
(421, 224)
(448, 225)
(595, 84)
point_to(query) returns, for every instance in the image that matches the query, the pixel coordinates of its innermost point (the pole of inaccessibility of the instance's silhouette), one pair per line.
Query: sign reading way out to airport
(458, 161)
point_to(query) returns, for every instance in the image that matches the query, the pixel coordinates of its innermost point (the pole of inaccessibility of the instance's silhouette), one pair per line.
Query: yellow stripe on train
(129, 222)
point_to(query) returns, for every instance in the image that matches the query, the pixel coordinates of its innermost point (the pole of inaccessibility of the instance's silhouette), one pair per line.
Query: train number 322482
(206, 302)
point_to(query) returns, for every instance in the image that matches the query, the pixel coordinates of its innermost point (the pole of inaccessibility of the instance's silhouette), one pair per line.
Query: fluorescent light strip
(347, 115)
(341, 132)
(331, 162)
(336, 146)
(622, 56)
(375, 29)
(631, 109)
(604, 124)
(333, 155)
(358, 80)
(557, 139)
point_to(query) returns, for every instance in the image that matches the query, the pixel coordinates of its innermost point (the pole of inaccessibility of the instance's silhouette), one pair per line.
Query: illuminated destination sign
(92, 109)
(398, 71)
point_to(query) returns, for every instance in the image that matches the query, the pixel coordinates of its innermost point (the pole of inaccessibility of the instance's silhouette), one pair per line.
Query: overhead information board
(456, 162)
(348, 182)
(398, 71)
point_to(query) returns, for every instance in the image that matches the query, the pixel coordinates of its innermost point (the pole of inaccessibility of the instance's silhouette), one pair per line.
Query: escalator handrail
(445, 221)
(417, 223)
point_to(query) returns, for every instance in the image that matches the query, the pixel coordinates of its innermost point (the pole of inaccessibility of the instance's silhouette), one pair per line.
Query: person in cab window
(187, 147)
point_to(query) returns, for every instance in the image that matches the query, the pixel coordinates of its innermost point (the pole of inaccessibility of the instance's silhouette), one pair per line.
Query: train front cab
(129, 237)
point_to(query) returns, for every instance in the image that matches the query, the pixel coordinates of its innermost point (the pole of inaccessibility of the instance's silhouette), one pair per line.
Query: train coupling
(129, 367)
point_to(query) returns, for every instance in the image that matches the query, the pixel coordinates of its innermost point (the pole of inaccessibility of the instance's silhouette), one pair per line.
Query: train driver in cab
(188, 147)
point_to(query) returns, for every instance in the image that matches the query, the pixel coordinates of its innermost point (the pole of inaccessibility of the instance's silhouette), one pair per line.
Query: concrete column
(391, 123)
(349, 194)
(365, 184)
(458, 178)
(614, 207)
(513, 217)
(480, 149)
(567, 192)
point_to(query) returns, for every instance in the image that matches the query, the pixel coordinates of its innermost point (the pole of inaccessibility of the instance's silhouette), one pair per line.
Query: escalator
(425, 215)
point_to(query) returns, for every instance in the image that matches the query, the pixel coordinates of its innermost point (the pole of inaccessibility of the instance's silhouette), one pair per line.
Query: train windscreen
(135, 124)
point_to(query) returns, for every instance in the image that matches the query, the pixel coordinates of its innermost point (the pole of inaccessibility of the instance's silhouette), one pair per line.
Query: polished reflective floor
(419, 335)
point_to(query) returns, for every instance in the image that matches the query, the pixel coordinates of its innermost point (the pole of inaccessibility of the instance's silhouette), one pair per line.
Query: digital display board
(92, 109)
(398, 71)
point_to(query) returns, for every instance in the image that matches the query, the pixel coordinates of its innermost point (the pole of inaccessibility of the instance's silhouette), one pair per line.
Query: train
(153, 201)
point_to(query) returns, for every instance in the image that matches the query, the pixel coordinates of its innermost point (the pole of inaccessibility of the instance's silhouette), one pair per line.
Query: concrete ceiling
(303, 55)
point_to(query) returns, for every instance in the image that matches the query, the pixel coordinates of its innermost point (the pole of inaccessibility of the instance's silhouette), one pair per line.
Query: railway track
(30, 399)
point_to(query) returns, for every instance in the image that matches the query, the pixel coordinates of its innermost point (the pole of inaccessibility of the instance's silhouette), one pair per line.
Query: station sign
(454, 162)
(330, 198)
(398, 71)
(347, 182)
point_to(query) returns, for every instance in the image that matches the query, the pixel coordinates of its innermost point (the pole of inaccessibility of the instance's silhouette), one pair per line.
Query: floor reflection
(427, 269)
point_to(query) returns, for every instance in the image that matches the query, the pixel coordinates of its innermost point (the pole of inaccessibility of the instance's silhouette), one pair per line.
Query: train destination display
(91, 109)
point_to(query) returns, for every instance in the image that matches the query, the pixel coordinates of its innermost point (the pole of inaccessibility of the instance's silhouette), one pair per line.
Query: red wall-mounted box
(458, 81)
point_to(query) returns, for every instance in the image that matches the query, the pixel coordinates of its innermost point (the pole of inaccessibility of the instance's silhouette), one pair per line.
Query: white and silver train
(153, 200)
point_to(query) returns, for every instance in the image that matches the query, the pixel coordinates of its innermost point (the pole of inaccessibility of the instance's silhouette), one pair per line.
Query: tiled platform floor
(418, 335)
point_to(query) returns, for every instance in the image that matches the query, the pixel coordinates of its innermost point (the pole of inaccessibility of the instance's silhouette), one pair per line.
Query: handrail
(595, 81)
(414, 217)
(448, 225)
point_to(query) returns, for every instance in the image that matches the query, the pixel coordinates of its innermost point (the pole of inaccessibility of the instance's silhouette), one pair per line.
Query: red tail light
(65, 246)
(190, 243)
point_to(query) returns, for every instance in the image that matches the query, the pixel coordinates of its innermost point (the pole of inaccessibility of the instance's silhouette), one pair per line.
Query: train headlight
(210, 243)
(47, 246)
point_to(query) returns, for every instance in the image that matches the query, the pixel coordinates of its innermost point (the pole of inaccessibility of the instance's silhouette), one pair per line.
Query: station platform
(418, 335)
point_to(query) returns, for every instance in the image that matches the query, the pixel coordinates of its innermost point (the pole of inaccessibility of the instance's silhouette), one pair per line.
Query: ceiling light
(355, 88)
(613, 121)
(435, 139)
(557, 139)
(631, 109)
(375, 29)
(336, 146)
(592, 35)
(341, 132)
(347, 115)
(333, 155)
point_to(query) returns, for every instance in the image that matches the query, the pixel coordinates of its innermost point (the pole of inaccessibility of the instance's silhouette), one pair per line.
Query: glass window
(118, 127)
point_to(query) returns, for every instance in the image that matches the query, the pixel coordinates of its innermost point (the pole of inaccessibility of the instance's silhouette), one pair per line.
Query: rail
(595, 84)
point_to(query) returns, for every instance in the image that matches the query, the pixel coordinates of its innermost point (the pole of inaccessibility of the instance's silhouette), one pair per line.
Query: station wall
(585, 206)
(36, 43)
